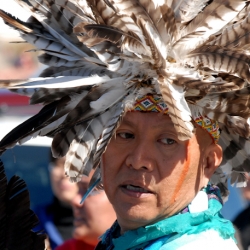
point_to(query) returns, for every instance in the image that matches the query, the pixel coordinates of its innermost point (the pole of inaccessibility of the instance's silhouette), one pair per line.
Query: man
(91, 219)
(151, 177)
(113, 64)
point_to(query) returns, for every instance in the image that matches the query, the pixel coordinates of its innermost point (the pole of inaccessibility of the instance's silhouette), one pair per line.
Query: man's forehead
(153, 118)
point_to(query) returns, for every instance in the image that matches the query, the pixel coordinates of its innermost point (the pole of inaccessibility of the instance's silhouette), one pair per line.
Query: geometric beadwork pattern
(153, 103)
(150, 103)
(210, 125)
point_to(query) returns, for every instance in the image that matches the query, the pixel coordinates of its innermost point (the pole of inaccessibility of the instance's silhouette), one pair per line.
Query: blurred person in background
(242, 221)
(91, 218)
(22, 66)
(16, 62)
(57, 218)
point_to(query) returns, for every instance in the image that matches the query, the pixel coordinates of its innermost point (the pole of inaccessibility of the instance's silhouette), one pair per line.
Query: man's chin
(137, 211)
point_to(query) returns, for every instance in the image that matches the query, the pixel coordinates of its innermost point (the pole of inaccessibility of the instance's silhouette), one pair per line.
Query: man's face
(149, 174)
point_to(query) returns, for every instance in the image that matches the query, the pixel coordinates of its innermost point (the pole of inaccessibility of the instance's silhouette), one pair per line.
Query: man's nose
(141, 156)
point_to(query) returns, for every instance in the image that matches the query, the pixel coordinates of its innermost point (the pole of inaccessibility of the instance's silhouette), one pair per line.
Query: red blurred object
(14, 104)
(12, 99)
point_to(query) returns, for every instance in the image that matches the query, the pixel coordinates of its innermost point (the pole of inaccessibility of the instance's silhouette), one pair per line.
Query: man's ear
(213, 160)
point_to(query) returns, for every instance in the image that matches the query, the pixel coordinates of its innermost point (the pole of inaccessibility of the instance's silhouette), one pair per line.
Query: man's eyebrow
(167, 125)
(126, 121)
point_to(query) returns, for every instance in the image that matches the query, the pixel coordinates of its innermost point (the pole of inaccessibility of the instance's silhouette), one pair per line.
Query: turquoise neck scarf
(173, 227)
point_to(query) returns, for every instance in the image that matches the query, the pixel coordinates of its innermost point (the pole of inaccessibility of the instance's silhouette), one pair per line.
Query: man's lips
(135, 190)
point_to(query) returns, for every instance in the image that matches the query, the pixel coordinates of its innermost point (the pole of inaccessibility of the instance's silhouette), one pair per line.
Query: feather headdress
(102, 54)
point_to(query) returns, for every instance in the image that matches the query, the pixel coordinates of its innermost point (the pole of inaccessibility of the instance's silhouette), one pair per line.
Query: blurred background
(30, 161)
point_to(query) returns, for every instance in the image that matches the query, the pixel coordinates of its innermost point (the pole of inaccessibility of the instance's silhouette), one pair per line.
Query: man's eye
(167, 141)
(125, 135)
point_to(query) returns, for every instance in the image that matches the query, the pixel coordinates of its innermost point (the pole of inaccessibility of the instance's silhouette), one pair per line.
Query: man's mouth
(134, 188)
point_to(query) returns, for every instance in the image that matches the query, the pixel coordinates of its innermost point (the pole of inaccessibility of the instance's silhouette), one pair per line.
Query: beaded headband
(154, 103)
